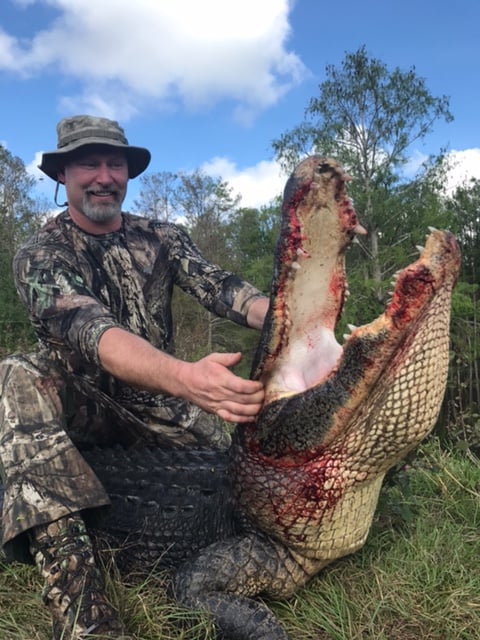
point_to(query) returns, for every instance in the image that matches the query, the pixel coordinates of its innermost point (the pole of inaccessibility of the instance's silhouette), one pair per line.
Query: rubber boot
(74, 589)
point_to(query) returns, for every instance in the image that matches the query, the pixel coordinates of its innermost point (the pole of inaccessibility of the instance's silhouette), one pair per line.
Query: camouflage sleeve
(64, 311)
(220, 291)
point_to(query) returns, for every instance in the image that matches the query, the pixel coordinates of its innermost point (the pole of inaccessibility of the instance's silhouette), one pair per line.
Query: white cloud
(189, 51)
(464, 165)
(414, 163)
(32, 167)
(258, 185)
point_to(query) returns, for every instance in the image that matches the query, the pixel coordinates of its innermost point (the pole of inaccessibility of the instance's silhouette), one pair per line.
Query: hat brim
(138, 158)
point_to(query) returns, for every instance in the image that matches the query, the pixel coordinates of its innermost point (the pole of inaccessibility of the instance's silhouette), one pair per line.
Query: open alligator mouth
(337, 417)
(308, 375)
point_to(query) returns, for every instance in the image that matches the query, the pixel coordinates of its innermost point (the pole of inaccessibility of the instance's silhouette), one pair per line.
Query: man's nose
(104, 173)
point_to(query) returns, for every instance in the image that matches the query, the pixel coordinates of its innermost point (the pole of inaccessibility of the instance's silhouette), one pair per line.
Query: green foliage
(19, 217)
(206, 204)
(362, 304)
(418, 575)
(462, 402)
(252, 237)
(157, 195)
(366, 115)
(464, 205)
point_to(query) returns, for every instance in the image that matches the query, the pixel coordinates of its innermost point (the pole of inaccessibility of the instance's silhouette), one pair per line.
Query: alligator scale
(299, 486)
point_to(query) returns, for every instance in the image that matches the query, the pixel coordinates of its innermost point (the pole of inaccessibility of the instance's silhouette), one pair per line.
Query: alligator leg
(224, 578)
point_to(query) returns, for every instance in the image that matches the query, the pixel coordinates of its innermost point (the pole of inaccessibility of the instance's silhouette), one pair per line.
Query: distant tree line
(368, 117)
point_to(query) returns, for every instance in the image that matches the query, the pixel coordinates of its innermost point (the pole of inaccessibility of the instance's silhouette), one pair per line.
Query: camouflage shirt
(77, 285)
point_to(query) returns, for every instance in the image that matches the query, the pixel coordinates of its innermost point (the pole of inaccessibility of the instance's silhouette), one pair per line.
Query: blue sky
(210, 83)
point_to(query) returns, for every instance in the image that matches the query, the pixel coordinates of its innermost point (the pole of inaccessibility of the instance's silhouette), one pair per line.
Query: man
(98, 285)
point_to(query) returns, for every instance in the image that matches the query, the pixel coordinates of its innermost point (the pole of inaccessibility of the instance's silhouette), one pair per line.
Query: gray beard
(101, 212)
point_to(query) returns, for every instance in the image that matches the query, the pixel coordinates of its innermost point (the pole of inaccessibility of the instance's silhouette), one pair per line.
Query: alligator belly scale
(299, 486)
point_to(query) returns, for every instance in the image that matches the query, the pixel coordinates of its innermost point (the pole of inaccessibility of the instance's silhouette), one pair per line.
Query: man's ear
(61, 177)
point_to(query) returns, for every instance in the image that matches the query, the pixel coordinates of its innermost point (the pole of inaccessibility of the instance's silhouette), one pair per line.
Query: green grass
(417, 577)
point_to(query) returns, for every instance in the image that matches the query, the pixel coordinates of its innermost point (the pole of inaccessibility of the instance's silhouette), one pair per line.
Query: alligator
(299, 485)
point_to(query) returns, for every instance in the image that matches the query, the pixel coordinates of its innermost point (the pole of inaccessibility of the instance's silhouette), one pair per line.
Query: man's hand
(208, 383)
(211, 385)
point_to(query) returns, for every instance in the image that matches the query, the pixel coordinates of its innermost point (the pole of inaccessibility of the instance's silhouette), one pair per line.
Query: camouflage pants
(46, 420)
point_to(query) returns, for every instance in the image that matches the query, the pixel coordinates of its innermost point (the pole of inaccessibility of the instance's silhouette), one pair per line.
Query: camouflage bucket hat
(81, 131)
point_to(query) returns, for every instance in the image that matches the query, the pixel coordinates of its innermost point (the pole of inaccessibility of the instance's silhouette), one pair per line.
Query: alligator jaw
(395, 368)
(308, 290)
(308, 472)
(312, 383)
(415, 324)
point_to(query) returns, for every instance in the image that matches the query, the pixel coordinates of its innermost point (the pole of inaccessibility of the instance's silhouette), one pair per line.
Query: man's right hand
(211, 385)
(208, 383)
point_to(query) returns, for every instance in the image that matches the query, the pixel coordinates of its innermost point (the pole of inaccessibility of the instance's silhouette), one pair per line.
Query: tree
(206, 203)
(463, 394)
(464, 204)
(367, 117)
(203, 205)
(157, 195)
(18, 219)
(252, 237)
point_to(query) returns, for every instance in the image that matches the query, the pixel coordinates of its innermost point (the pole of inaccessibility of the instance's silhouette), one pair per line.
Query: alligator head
(308, 471)
(337, 417)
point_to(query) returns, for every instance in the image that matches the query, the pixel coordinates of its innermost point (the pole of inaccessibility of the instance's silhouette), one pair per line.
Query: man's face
(96, 183)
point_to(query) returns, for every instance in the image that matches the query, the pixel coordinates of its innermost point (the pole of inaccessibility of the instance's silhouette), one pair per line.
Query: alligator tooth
(432, 229)
(296, 265)
(420, 249)
(352, 327)
(304, 254)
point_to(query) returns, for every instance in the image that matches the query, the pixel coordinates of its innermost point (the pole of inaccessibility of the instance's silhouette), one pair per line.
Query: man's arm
(208, 383)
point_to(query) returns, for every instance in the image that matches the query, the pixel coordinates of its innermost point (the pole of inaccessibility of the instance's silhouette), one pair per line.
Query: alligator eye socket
(324, 167)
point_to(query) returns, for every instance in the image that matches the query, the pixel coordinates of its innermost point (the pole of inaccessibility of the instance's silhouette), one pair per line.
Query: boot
(74, 590)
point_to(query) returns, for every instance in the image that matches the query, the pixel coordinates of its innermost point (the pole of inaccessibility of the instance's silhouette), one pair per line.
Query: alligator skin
(299, 487)
(166, 505)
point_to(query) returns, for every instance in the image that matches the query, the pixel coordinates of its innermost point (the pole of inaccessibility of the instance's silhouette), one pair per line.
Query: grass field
(417, 577)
